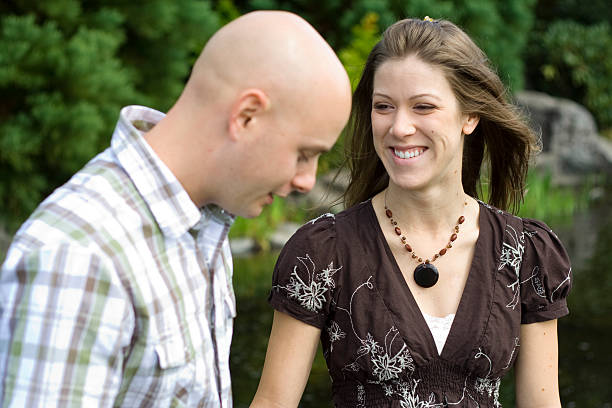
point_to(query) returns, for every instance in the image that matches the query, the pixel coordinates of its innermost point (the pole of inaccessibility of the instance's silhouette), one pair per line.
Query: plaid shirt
(118, 289)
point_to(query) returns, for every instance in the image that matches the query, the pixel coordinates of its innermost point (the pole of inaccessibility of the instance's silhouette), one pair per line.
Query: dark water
(585, 359)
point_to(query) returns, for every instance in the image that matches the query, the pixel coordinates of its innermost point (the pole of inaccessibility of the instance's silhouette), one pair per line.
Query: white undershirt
(439, 327)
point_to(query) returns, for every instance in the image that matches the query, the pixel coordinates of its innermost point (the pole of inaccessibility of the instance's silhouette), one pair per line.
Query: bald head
(275, 51)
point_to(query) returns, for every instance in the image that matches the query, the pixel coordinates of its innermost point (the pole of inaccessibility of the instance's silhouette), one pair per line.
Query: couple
(118, 289)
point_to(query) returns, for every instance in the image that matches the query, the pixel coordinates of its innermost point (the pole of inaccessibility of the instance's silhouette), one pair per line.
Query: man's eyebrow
(316, 150)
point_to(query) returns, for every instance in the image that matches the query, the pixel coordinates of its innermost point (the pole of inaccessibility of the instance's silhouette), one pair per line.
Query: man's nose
(305, 178)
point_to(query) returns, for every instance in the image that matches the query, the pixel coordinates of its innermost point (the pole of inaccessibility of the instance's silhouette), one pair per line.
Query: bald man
(117, 291)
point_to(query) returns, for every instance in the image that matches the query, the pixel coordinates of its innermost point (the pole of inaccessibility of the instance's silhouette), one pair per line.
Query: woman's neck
(431, 211)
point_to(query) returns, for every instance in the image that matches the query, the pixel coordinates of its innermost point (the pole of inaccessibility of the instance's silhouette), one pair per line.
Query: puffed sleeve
(305, 274)
(545, 274)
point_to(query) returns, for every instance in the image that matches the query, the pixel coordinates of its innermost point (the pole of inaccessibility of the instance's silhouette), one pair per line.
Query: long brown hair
(502, 136)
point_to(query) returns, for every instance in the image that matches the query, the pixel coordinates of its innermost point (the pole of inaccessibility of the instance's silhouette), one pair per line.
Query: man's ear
(247, 108)
(470, 124)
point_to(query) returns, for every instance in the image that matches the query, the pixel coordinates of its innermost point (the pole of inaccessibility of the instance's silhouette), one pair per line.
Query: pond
(585, 360)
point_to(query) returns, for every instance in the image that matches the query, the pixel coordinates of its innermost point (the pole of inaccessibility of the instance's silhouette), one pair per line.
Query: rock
(243, 246)
(325, 195)
(571, 145)
(282, 234)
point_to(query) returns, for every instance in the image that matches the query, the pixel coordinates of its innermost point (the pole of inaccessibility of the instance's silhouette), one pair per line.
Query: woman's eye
(381, 106)
(424, 107)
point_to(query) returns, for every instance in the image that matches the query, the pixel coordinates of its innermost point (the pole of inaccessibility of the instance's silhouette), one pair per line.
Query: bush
(499, 27)
(66, 69)
(572, 60)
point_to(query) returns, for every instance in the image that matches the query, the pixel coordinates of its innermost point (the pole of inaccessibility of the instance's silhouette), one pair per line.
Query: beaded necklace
(425, 274)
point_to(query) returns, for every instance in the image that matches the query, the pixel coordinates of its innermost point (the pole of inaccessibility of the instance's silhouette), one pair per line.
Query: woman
(422, 295)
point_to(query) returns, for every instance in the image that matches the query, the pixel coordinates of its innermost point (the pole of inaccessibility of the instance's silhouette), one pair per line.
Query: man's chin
(256, 208)
(252, 212)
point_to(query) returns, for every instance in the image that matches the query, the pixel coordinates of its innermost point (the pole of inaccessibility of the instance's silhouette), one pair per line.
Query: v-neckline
(421, 324)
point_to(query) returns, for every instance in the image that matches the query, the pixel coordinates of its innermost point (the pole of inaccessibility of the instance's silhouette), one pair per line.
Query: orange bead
(453, 237)
(442, 251)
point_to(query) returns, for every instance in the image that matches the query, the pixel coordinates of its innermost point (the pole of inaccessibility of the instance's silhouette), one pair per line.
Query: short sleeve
(305, 275)
(545, 274)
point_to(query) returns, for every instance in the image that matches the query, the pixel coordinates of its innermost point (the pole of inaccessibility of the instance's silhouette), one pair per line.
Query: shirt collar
(168, 201)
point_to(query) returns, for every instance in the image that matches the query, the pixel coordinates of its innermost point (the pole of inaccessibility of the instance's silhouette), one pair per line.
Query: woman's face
(417, 124)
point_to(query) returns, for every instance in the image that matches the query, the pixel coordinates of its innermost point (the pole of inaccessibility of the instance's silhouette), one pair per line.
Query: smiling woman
(394, 328)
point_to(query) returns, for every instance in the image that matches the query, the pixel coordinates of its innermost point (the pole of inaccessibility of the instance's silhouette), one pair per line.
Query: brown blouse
(337, 273)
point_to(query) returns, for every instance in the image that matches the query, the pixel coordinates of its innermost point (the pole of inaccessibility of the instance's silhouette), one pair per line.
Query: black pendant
(426, 275)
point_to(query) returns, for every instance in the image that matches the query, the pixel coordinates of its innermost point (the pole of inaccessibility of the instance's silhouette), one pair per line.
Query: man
(118, 289)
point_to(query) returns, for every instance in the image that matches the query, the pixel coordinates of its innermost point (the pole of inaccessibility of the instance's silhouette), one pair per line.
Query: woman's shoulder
(523, 225)
(328, 223)
(308, 269)
(542, 264)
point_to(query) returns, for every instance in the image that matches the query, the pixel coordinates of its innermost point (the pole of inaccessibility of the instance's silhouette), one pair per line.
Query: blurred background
(68, 66)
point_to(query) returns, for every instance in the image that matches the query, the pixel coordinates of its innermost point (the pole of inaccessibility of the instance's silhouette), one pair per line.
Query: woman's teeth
(408, 155)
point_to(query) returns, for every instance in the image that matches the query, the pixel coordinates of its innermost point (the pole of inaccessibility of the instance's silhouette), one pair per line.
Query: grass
(550, 203)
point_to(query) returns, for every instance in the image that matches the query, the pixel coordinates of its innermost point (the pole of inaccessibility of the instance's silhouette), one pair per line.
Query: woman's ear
(470, 124)
(250, 104)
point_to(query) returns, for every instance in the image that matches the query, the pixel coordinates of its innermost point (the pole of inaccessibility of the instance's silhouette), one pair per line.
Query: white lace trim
(439, 327)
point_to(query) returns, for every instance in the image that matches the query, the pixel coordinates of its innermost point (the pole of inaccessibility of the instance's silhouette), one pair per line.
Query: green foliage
(548, 202)
(573, 61)
(66, 69)
(272, 216)
(584, 12)
(334, 19)
(500, 27)
(227, 11)
(365, 35)
(252, 281)
(568, 53)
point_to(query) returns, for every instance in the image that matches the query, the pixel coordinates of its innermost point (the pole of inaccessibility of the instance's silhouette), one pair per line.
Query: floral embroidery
(488, 386)
(512, 255)
(563, 282)
(335, 333)
(386, 366)
(410, 399)
(516, 345)
(327, 275)
(536, 282)
(361, 395)
(311, 293)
